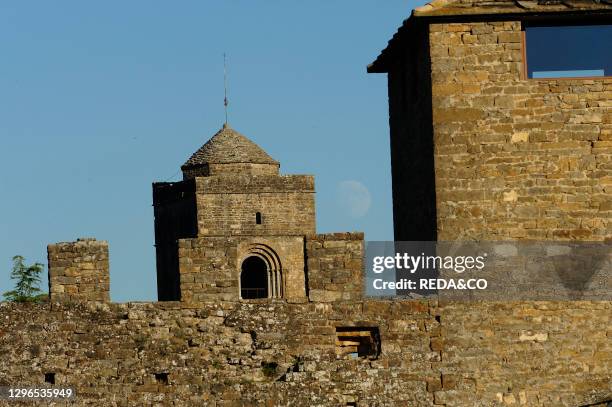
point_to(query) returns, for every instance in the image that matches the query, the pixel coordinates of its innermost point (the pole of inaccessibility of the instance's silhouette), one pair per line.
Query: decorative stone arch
(273, 266)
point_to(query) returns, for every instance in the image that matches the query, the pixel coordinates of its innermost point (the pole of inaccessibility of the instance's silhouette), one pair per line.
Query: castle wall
(210, 267)
(78, 271)
(220, 354)
(516, 158)
(519, 159)
(525, 353)
(335, 267)
(281, 354)
(227, 205)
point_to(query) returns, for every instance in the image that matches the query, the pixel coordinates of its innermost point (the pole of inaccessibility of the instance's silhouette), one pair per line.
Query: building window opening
(357, 342)
(580, 51)
(254, 278)
(161, 378)
(258, 218)
(50, 378)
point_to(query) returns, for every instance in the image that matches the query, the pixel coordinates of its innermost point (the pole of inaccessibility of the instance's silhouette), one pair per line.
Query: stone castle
(255, 308)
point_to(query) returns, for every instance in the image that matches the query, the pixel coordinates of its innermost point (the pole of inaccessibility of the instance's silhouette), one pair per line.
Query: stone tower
(238, 212)
(479, 149)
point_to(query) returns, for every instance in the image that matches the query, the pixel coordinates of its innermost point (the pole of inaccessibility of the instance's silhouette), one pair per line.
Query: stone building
(257, 309)
(233, 198)
(499, 154)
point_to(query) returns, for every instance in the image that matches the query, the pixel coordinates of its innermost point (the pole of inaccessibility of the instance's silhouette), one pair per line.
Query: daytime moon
(354, 198)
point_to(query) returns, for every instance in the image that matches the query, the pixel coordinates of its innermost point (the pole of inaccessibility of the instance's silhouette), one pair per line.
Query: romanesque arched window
(254, 278)
(261, 273)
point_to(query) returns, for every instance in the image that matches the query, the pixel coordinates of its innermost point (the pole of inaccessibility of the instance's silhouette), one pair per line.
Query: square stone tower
(233, 213)
(481, 147)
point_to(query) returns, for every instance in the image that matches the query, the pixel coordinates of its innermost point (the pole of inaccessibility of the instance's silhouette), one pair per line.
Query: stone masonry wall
(210, 267)
(219, 354)
(78, 271)
(525, 354)
(519, 159)
(280, 354)
(516, 158)
(335, 266)
(227, 205)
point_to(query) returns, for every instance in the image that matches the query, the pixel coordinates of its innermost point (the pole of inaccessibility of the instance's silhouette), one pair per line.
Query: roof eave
(379, 65)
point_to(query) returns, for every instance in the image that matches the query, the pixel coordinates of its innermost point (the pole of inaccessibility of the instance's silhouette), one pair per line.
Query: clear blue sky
(100, 99)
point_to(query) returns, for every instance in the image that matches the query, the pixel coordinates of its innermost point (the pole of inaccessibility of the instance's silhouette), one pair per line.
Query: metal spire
(225, 101)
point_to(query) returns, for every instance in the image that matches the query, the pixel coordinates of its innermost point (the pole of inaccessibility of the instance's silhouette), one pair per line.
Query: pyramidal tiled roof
(229, 146)
(466, 7)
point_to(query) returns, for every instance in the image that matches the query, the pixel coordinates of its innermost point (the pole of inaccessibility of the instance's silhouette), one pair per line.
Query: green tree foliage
(28, 280)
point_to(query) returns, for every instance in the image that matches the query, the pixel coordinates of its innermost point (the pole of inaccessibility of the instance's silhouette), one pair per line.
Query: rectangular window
(579, 51)
(357, 342)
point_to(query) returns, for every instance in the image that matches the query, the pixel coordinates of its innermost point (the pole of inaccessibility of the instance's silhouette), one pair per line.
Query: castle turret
(232, 200)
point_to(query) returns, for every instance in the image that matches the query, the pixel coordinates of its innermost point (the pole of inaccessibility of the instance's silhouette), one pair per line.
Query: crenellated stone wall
(78, 271)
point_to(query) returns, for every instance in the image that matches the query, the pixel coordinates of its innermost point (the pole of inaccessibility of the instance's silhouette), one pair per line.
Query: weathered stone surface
(78, 271)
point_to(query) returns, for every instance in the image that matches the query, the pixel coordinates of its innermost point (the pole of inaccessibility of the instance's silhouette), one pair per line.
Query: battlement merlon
(79, 271)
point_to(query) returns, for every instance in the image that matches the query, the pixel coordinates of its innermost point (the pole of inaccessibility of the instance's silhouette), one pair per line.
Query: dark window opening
(254, 278)
(161, 378)
(358, 342)
(258, 218)
(578, 51)
(50, 378)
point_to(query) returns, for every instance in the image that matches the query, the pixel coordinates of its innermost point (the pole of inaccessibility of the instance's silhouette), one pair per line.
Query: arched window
(258, 218)
(254, 278)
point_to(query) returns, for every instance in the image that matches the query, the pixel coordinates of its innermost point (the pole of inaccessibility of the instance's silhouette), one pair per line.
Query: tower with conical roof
(229, 152)
(232, 201)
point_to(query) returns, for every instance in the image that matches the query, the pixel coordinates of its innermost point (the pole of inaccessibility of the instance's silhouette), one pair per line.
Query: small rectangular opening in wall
(50, 378)
(161, 378)
(357, 342)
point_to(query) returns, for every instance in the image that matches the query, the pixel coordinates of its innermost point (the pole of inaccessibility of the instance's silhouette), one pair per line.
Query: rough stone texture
(532, 354)
(227, 205)
(335, 267)
(210, 267)
(516, 158)
(513, 159)
(223, 354)
(231, 187)
(219, 354)
(78, 271)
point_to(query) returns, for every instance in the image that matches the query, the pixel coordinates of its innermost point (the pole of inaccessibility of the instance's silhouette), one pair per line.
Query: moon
(354, 198)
